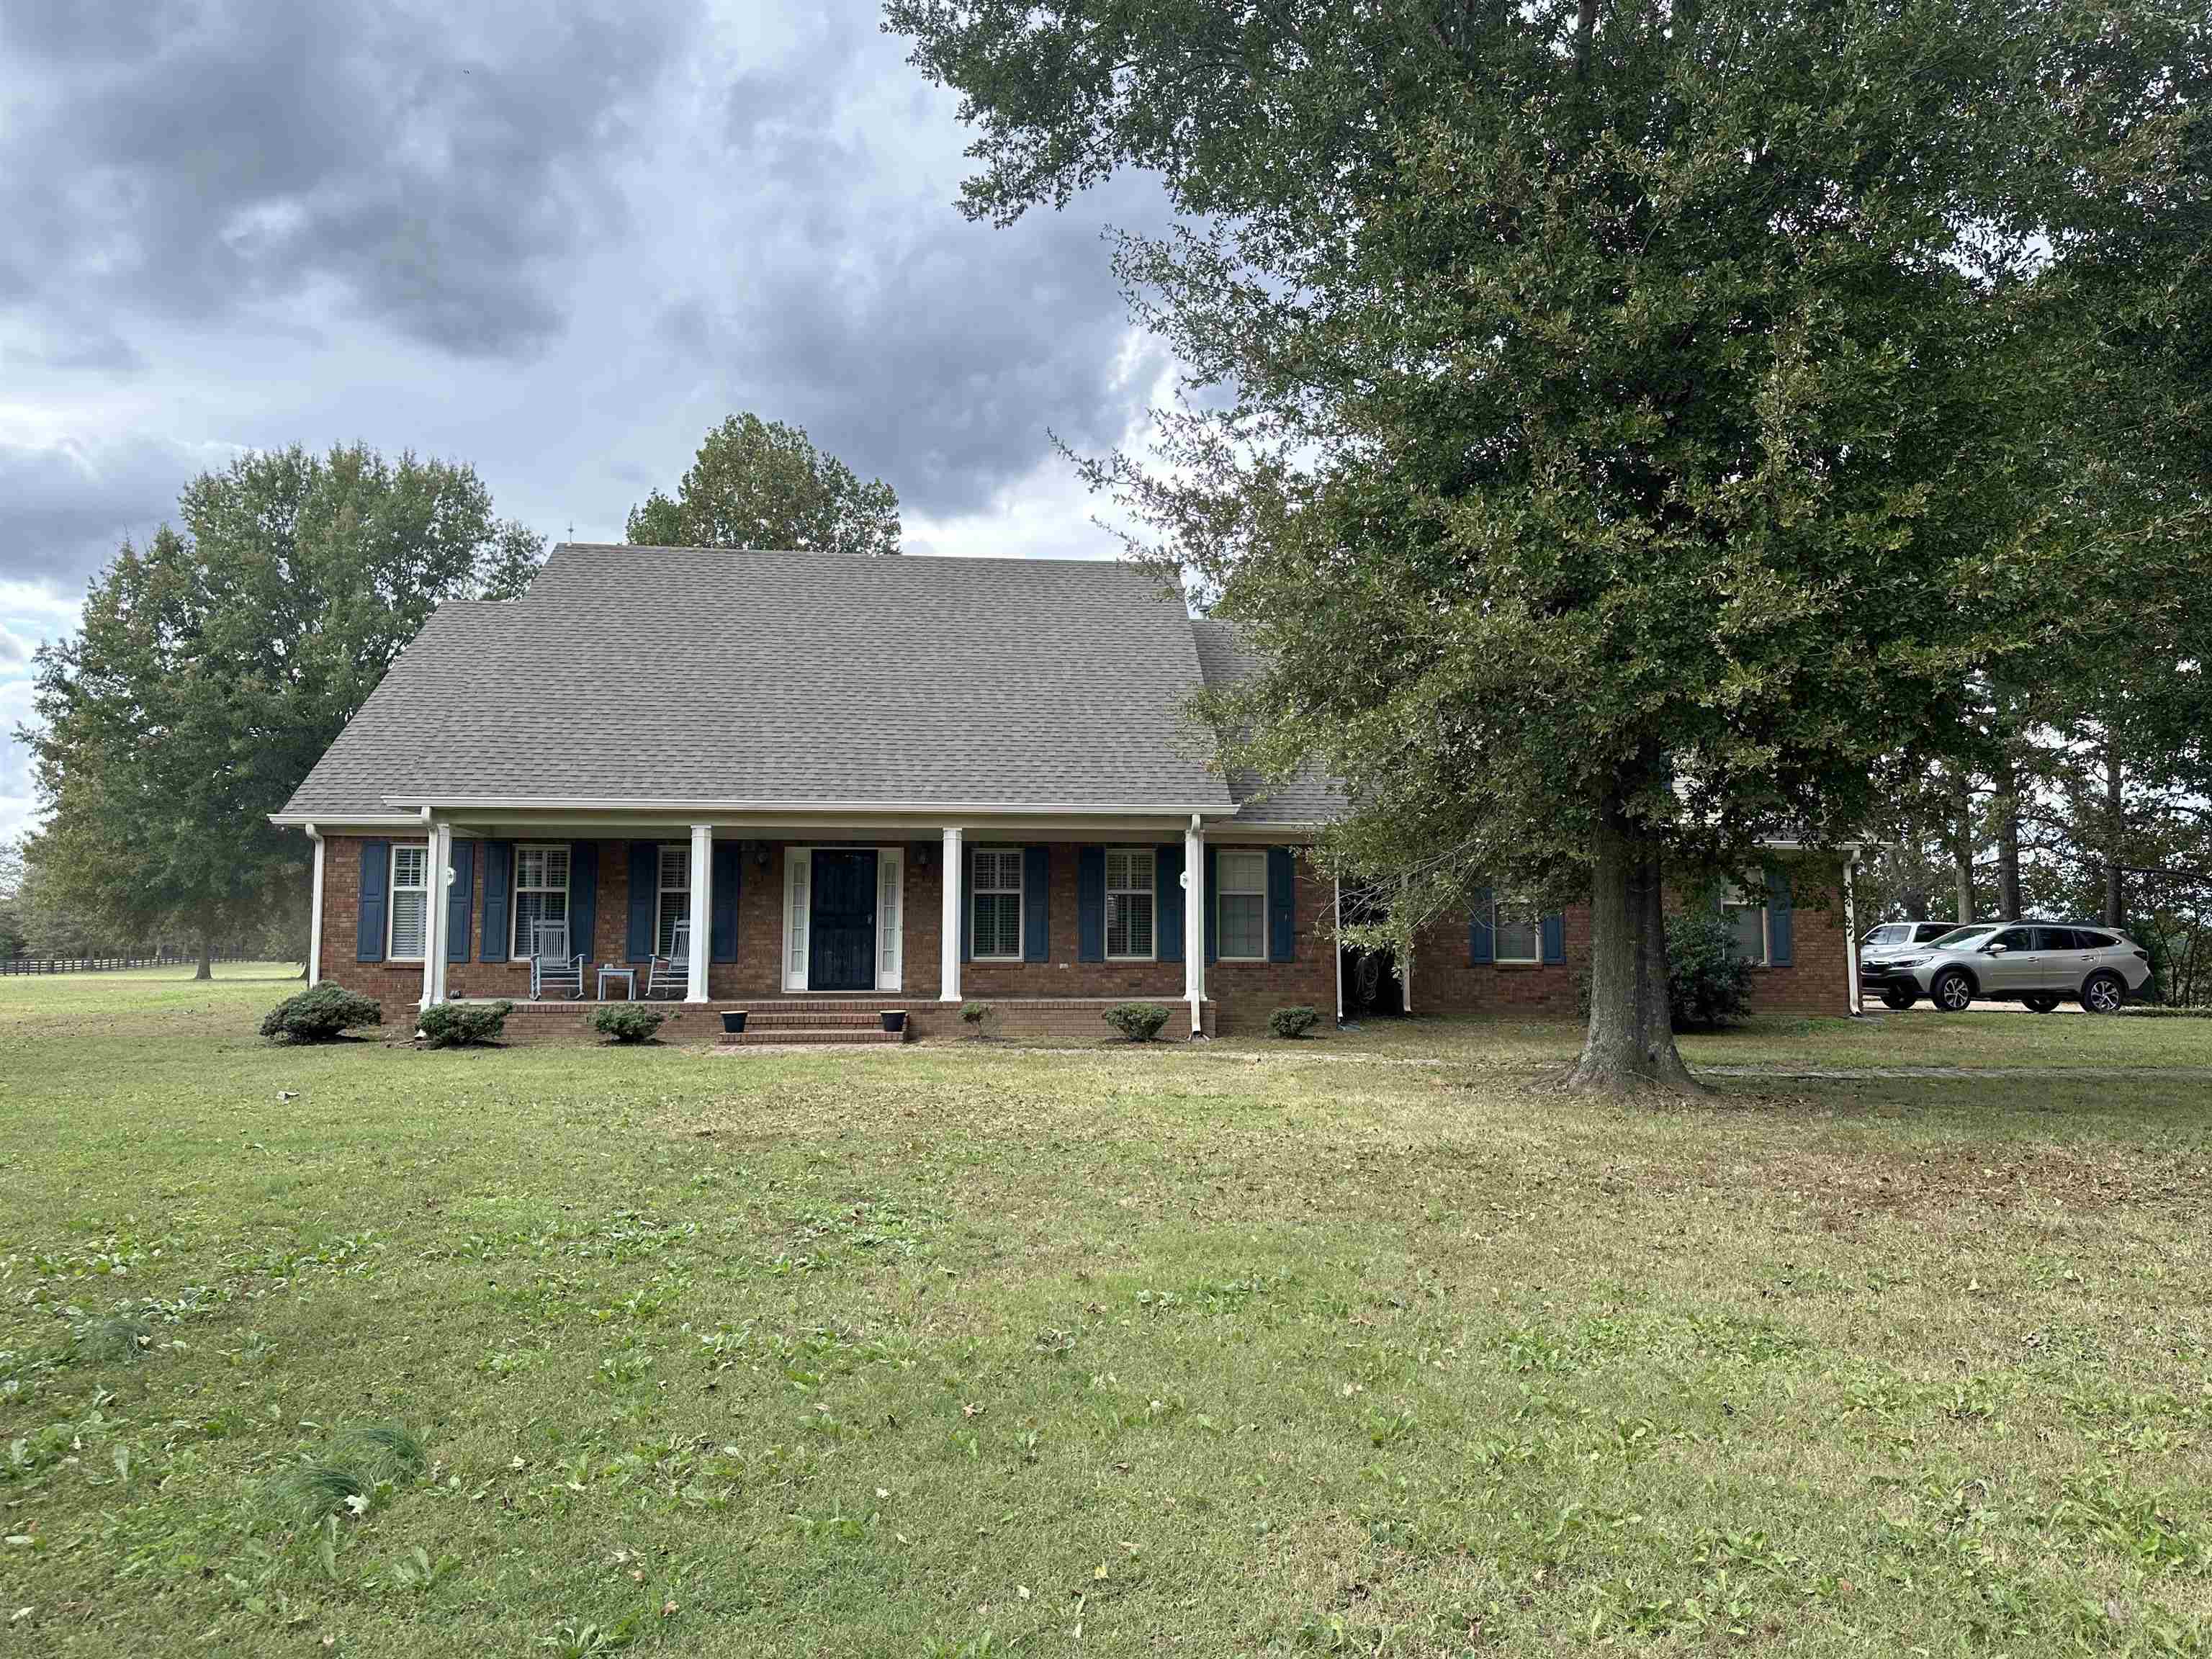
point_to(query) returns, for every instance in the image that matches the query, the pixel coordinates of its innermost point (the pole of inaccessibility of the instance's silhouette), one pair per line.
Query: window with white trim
(541, 896)
(1746, 916)
(410, 901)
(1241, 905)
(1130, 872)
(1515, 931)
(994, 924)
(673, 902)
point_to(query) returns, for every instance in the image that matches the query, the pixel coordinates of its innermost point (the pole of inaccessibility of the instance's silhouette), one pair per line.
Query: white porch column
(948, 931)
(433, 924)
(315, 915)
(1336, 940)
(702, 907)
(1193, 923)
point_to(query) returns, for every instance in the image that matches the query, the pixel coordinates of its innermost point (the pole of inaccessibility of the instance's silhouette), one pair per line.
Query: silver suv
(2039, 963)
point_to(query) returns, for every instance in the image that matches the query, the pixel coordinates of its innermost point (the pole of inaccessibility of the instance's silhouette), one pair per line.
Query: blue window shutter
(1282, 906)
(1480, 948)
(1781, 926)
(1036, 904)
(375, 884)
(644, 888)
(729, 870)
(459, 896)
(583, 898)
(1554, 929)
(499, 891)
(1212, 944)
(1090, 902)
(966, 903)
(1167, 896)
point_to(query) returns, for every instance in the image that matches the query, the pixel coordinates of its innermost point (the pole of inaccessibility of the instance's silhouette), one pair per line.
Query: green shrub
(456, 1024)
(1707, 984)
(1139, 1022)
(975, 1016)
(1292, 1021)
(319, 1013)
(628, 1022)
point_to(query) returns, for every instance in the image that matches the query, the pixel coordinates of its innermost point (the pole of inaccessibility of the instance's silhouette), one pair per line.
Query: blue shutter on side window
(1037, 903)
(729, 871)
(1781, 922)
(375, 883)
(1091, 904)
(1554, 930)
(459, 897)
(1167, 898)
(1479, 949)
(498, 889)
(967, 904)
(1213, 886)
(1282, 905)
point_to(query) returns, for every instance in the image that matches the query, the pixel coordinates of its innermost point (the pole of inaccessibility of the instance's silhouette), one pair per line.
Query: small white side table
(626, 976)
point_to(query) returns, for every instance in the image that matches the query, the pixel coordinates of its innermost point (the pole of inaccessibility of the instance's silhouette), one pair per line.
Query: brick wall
(1814, 983)
(1243, 993)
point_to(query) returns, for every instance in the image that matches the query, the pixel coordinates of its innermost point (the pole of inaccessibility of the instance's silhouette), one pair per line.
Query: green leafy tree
(15, 936)
(1612, 422)
(214, 665)
(763, 484)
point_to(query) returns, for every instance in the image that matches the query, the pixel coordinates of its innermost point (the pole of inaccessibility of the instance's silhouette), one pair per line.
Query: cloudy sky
(557, 241)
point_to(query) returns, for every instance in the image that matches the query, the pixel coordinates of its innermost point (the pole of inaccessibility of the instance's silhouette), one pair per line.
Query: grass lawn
(948, 1351)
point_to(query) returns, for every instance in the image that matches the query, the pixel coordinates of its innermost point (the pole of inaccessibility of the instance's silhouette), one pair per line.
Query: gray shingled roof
(682, 674)
(1309, 798)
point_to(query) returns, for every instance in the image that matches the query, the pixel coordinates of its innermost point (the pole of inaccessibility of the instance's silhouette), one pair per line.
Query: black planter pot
(894, 1019)
(734, 1021)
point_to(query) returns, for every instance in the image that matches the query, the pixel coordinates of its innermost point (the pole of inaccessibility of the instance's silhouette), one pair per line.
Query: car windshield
(1959, 936)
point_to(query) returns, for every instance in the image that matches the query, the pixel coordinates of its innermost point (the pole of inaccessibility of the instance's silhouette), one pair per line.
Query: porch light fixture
(760, 853)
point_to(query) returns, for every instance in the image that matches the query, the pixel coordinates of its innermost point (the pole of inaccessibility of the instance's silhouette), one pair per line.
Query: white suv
(2039, 963)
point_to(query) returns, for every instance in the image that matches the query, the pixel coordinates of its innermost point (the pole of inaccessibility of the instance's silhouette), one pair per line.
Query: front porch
(848, 1020)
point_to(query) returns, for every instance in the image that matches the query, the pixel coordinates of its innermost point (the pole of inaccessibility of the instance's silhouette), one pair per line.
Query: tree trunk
(1962, 846)
(2008, 828)
(2116, 835)
(206, 969)
(1629, 1045)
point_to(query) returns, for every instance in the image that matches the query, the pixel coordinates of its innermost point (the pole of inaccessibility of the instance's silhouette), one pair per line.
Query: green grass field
(961, 1350)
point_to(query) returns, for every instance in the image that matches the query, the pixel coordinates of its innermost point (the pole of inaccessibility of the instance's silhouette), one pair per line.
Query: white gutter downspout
(315, 915)
(1336, 932)
(1855, 999)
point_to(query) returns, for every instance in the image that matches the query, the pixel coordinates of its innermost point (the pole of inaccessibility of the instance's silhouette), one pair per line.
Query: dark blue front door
(841, 949)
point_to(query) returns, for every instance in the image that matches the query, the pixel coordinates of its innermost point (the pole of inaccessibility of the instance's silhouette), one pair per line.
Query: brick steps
(755, 1036)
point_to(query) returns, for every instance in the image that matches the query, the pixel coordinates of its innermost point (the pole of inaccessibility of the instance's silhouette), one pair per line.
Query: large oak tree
(763, 484)
(1618, 423)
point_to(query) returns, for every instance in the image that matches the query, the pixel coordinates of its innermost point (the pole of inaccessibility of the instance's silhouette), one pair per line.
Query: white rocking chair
(551, 968)
(669, 978)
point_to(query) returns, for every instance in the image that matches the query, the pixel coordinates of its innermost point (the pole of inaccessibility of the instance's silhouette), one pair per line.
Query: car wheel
(1953, 990)
(1898, 996)
(2104, 993)
(2042, 1002)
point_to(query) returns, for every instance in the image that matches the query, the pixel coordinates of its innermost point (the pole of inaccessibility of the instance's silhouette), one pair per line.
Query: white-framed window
(1131, 877)
(673, 902)
(994, 924)
(541, 895)
(1746, 916)
(1240, 906)
(410, 903)
(1515, 931)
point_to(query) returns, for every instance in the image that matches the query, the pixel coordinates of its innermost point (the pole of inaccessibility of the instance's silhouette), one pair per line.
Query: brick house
(877, 783)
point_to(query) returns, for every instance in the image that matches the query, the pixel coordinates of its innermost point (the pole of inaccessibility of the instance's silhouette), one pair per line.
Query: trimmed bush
(975, 1016)
(459, 1025)
(628, 1022)
(1139, 1022)
(318, 1014)
(1708, 984)
(1291, 1023)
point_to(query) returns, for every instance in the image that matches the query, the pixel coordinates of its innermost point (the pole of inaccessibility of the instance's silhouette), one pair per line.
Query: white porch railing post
(1194, 922)
(948, 943)
(702, 909)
